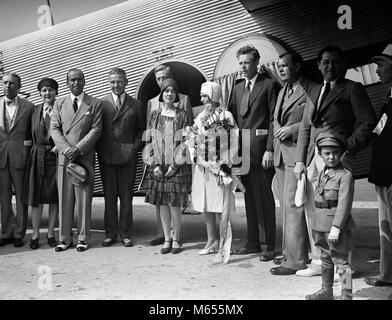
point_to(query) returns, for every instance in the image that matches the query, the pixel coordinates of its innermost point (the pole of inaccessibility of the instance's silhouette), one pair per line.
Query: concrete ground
(141, 272)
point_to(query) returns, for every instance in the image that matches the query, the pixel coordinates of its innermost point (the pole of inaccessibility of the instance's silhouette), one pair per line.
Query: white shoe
(310, 271)
(211, 249)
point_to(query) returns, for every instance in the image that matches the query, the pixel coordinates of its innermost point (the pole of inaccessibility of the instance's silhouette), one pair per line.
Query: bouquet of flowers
(209, 144)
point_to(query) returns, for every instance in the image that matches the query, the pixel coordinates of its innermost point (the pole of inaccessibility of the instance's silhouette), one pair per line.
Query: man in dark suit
(287, 119)
(123, 123)
(338, 105)
(381, 172)
(15, 143)
(163, 72)
(76, 126)
(252, 105)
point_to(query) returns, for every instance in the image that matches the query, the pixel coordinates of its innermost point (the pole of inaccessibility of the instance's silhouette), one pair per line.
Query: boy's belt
(328, 204)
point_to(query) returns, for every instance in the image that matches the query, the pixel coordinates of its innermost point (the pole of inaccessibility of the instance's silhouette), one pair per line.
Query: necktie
(75, 105)
(245, 99)
(290, 90)
(47, 117)
(325, 93)
(8, 102)
(118, 102)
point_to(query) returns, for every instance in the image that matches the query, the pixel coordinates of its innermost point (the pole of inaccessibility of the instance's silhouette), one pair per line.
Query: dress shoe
(278, 260)
(63, 246)
(34, 243)
(81, 246)
(51, 241)
(282, 271)
(167, 249)
(18, 242)
(127, 242)
(4, 241)
(157, 241)
(176, 250)
(323, 294)
(246, 250)
(267, 255)
(310, 271)
(211, 249)
(108, 242)
(377, 282)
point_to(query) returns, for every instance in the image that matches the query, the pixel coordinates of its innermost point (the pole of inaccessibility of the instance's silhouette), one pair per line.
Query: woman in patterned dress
(40, 185)
(168, 177)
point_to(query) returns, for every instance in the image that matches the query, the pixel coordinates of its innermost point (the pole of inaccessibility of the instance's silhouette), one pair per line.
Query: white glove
(334, 234)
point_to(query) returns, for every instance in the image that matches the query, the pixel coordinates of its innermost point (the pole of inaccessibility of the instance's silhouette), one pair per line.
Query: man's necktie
(290, 90)
(325, 93)
(75, 104)
(327, 89)
(8, 102)
(245, 99)
(118, 103)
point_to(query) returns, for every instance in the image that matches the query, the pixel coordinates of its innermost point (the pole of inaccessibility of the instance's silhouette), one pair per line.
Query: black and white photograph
(196, 156)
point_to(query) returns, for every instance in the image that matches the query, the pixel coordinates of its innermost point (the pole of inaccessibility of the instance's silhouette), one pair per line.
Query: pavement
(141, 272)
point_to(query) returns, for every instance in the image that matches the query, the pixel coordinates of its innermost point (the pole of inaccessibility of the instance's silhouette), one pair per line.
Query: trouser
(69, 197)
(12, 226)
(385, 227)
(260, 207)
(295, 235)
(118, 182)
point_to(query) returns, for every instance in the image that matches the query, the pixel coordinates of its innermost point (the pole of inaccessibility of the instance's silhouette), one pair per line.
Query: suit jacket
(81, 129)
(380, 169)
(347, 110)
(289, 114)
(122, 131)
(12, 143)
(183, 104)
(336, 186)
(259, 115)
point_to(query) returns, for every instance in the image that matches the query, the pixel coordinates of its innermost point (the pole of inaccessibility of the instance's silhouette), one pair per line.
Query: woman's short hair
(48, 82)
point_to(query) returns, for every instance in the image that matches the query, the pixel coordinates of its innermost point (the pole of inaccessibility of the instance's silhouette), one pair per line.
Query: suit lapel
(333, 94)
(19, 112)
(84, 107)
(297, 94)
(126, 104)
(258, 86)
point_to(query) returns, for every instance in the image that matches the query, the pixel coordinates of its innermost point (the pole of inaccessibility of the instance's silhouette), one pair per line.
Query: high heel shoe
(211, 249)
(168, 249)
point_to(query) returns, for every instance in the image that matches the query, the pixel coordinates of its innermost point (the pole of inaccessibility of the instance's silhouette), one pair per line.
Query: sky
(18, 17)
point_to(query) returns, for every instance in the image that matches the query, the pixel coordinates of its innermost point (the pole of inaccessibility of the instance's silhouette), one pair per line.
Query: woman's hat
(167, 83)
(48, 82)
(212, 90)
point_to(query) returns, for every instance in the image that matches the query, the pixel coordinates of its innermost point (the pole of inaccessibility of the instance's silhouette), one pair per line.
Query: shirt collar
(80, 97)
(252, 81)
(15, 100)
(331, 82)
(115, 97)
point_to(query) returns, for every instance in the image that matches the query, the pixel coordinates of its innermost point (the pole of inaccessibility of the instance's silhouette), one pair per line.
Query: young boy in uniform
(332, 223)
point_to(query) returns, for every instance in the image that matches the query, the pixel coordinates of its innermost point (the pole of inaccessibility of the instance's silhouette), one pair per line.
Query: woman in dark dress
(168, 178)
(40, 185)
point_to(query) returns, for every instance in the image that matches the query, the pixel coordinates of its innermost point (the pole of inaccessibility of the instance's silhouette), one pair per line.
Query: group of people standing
(304, 131)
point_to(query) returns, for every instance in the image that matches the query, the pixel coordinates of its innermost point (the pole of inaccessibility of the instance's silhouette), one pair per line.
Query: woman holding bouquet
(213, 186)
(168, 177)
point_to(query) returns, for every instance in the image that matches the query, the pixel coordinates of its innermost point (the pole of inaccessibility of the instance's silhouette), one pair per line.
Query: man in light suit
(252, 105)
(163, 72)
(15, 143)
(76, 126)
(338, 105)
(287, 119)
(123, 123)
